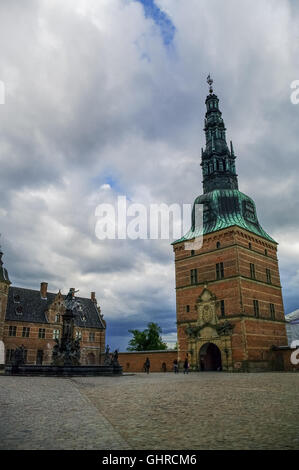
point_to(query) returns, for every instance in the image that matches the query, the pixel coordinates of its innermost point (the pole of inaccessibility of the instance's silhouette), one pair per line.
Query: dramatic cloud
(106, 98)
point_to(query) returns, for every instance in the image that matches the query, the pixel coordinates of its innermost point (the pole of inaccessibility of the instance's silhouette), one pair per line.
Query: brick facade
(35, 318)
(248, 284)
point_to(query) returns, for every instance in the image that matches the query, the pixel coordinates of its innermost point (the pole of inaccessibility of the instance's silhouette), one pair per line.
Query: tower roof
(223, 204)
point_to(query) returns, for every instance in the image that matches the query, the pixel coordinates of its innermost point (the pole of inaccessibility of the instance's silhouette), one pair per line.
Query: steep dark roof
(33, 308)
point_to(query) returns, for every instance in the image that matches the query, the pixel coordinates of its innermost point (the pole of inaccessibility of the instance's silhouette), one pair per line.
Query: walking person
(175, 366)
(186, 366)
(147, 365)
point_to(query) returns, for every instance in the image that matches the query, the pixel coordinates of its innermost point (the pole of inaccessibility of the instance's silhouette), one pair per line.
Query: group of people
(186, 366)
(147, 365)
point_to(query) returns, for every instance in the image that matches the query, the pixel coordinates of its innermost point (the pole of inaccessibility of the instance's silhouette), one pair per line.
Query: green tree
(147, 340)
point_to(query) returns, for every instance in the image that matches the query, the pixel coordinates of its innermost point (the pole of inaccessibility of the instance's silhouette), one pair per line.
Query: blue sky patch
(167, 28)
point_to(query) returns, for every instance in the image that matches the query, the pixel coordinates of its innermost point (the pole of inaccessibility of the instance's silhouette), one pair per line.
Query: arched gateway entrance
(210, 357)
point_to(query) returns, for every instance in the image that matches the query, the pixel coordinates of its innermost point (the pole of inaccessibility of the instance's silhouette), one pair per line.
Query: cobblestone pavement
(155, 411)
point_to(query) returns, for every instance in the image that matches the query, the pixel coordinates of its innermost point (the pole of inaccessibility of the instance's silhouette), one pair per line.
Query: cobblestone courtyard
(155, 411)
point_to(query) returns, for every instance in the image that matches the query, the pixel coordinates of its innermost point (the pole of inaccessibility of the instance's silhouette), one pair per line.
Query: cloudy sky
(106, 98)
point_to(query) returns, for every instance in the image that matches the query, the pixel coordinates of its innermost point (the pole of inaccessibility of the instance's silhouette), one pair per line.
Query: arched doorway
(210, 357)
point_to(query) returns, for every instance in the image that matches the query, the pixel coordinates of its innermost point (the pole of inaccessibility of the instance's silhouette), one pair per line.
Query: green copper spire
(223, 204)
(218, 162)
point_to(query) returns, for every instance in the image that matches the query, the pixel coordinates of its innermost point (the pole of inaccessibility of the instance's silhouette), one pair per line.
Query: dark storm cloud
(95, 97)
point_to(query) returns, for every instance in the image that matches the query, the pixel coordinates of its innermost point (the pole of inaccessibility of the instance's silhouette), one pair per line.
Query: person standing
(186, 366)
(175, 366)
(147, 365)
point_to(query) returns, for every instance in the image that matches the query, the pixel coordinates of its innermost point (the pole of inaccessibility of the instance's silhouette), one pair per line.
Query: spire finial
(210, 82)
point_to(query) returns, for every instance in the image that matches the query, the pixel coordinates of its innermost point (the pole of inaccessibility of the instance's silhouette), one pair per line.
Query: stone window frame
(26, 332)
(42, 333)
(56, 333)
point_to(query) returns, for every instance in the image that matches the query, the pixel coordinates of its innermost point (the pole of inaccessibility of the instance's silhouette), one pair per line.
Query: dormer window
(19, 310)
(83, 318)
(57, 318)
(16, 299)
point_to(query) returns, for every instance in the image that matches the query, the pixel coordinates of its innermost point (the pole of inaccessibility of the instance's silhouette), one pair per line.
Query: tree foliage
(147, 340)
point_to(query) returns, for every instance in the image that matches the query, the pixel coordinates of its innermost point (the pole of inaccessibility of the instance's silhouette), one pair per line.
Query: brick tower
(4, 286)
(228, 293)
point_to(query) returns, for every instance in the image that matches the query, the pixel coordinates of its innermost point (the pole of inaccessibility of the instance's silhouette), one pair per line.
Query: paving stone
(155, 411)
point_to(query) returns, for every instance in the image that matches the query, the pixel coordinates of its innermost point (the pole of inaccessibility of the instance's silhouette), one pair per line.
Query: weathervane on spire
(210, 82)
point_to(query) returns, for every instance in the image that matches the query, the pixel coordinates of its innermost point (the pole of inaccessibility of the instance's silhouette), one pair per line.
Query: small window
(219, 271)
(57, 318)
(256, 308)
(193, 276)
(218, 244)
(268, 276)
(187, 308)
(26, 332)
(249, 246)
(266, 252)
(16, 298)
(252, 271)
(12, 331)
(78, 334)
(42, 333)
(272, 311)
(83, 318)
(56, 334)
(222, 309)
(91, 336)
(192, 252)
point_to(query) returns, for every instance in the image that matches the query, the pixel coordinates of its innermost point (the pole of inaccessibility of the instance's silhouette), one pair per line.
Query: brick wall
(134, 361)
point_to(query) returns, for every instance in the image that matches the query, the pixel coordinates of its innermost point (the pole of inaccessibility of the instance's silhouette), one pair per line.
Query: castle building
(228, 294)
(33, 318)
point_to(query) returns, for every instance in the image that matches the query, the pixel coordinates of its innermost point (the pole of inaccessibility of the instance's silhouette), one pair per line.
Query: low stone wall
(134, 361)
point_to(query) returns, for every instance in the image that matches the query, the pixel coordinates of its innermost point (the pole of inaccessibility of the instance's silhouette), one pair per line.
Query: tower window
(249, 246)
(266, 252)
(219, 271)
(268, 275)
(12, 331)
(187, 308)
(42, 333)
(218, 244)
(193, 276)
(256, 308)
(252, 271)
(26, 332)
(222, 309)
(272, 311)
(192, 252)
